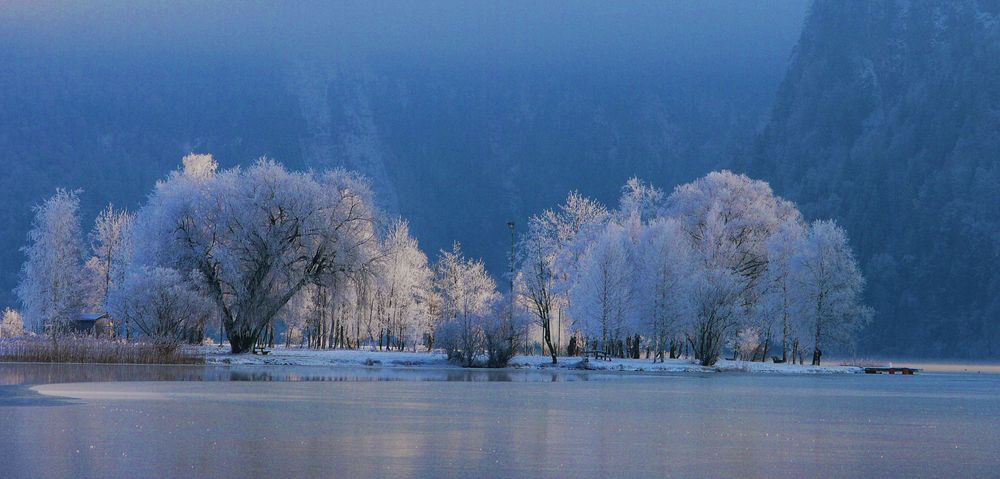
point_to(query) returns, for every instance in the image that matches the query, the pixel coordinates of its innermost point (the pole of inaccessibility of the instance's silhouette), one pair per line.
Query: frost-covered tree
(831, 284)
(746, 213)
(255, 236)
(640, 199)
(548, 259)
(728, 218)
(403, 279)
(466, 292)
(716, 264)
(12, 324)
(601, 298)
(714, 295)
(162, 304)
(201, 166)
(503, 329)
(295, 316)
(111, 248)
(662, 290)
(746, 343)
(52, 289)
(567, 227)
(537, 277)
(781, 302)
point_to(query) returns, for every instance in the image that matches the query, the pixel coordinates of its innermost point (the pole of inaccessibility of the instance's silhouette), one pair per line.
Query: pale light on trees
(466, 292)
(12, 324)
(717, 263)
(111, 248)
(403, 280)
(728, 218)
(51, 289)
(601, 298)
(663, 298)
(831, 283)
(255, 236)
(782, 299)
(536, 280)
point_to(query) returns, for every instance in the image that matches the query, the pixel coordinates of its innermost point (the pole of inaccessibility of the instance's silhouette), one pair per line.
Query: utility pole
(510, 225)
(513, 303)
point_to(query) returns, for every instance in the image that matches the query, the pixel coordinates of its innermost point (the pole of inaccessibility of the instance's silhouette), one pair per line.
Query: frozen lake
(170, 421)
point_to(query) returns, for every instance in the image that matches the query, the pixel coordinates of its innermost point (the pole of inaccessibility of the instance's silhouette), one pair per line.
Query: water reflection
(32, 373)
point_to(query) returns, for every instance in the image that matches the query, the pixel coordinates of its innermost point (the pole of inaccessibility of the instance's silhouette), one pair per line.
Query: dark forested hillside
(889, 121)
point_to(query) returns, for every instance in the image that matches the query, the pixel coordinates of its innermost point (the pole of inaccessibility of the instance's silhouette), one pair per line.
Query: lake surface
(184, 421)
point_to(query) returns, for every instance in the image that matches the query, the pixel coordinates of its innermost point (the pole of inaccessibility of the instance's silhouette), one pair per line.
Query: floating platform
(892, 370)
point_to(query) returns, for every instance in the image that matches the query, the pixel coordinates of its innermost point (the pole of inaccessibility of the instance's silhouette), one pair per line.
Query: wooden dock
(892, 370)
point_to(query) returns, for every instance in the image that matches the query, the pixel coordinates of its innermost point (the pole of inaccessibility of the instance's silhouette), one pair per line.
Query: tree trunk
(241, 343)
(547, 333)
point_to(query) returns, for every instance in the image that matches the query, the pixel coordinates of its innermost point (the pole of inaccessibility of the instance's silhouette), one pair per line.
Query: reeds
(91, 350)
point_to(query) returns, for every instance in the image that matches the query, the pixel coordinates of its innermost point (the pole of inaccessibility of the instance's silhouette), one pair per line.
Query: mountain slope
(889, 121)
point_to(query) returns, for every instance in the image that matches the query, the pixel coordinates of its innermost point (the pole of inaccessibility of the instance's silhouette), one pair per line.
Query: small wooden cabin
(98, 325)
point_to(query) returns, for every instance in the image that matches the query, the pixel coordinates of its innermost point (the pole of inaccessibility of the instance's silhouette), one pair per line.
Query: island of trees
(265, 255)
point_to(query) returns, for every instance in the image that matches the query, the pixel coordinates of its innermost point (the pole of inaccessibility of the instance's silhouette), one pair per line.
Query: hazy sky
(694, 32)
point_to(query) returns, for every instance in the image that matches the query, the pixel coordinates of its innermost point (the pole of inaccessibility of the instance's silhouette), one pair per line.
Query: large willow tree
(255, 237)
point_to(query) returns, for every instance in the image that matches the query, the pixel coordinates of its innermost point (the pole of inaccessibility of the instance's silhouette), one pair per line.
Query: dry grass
(90, 350)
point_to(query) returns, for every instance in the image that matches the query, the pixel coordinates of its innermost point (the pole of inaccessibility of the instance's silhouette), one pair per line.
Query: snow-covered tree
(295, 315)
(781, 302)
(745, 212)
(746, 343)
(255, 236)
(728, 218)
(714, 295)
(537, 278)
(12, 324)
(111, 248)
(601, 298)
(640, 199)
(714, 265)
(403, 279)
(662, 293)
(502, 332)
(52, 290)
(162, 304)
(467, 293)
(201, 166)
(548, 255)
(831, 283)
(568, 226)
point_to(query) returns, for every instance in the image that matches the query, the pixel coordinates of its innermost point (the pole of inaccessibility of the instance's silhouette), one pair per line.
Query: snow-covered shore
(281, 356)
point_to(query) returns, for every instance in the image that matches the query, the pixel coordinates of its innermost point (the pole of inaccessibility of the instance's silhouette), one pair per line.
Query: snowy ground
(354, 358)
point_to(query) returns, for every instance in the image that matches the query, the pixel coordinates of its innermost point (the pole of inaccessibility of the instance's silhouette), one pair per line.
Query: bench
(261, 350)
(597, 354)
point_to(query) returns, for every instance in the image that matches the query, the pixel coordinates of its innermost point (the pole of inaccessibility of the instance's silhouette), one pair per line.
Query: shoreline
(280, 356)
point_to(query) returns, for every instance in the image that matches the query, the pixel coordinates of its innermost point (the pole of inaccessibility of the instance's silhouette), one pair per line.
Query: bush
(502, 331)
(90, 350)
(462, 338)
(495, 333)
